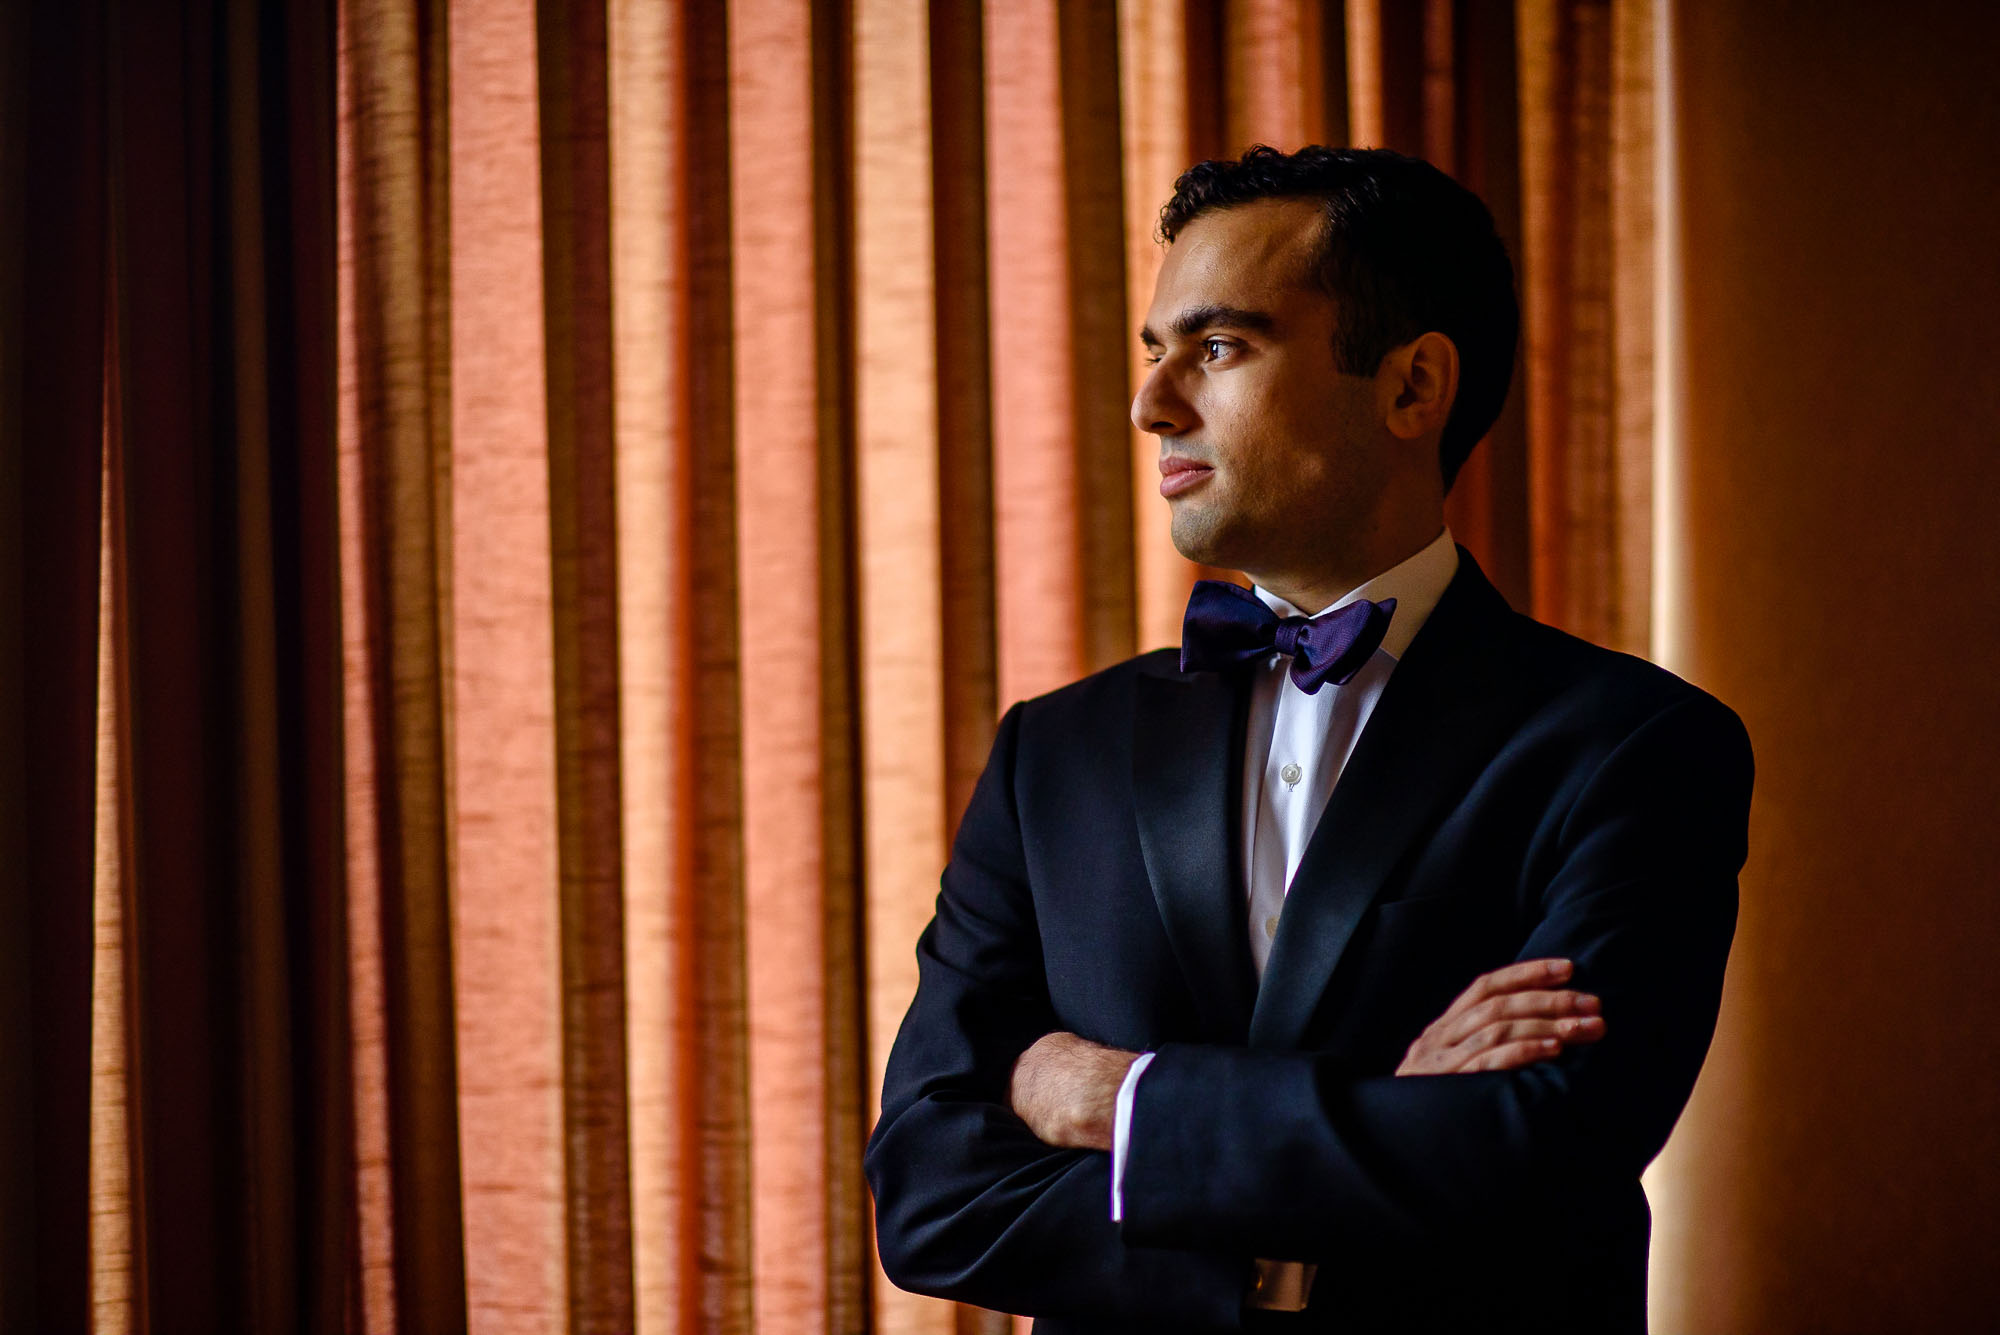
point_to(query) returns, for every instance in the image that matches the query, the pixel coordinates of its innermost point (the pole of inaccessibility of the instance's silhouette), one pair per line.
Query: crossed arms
(990, 1182)
(1066, 1088)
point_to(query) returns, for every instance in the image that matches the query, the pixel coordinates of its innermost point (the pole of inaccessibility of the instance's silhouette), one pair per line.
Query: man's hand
(1509, 1018)
(1066, 1089)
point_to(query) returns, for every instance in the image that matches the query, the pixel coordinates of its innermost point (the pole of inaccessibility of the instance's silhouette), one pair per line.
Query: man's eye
(1215, 347)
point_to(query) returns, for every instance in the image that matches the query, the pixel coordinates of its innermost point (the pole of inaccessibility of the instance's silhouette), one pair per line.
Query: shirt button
(1271, 925)
(1291, 774)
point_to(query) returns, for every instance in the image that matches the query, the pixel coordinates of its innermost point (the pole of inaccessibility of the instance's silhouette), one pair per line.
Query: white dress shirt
(1295, 747)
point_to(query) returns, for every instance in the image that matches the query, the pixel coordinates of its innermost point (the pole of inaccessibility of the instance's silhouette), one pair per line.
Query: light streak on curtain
(1638, 277)
(680, 734)
(715, 413)
(923, 503)
(1061, 462)
(498, 684)
(793, 551)
(111, 1190)
(1158, 144)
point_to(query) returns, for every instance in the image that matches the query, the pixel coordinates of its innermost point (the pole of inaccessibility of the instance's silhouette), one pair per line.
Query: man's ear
(1419, 382)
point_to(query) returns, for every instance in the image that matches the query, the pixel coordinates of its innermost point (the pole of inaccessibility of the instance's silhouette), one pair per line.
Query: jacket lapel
(1434, 727)
(1187, 749)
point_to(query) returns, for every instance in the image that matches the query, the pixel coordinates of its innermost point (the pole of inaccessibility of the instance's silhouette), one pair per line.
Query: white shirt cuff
(1121, 1131)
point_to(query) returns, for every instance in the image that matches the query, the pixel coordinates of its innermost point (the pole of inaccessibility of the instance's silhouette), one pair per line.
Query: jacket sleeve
(1283, 1153)
(969, 1205)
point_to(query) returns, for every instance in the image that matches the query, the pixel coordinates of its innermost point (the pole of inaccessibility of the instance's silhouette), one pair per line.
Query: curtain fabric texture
(523, 518)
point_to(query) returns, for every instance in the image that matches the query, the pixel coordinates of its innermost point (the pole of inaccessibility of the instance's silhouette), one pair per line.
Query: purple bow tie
(1228, 626)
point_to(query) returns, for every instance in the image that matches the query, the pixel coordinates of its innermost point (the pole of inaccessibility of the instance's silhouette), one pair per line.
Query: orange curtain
(577, 484)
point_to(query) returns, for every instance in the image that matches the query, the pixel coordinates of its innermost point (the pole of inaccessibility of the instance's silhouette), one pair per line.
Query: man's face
(1273, 460)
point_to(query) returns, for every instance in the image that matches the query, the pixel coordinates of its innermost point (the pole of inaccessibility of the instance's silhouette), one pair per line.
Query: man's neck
(1314, 591)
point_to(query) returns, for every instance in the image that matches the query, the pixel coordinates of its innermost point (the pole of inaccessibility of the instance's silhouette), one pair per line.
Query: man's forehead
(1259, 234)
(1254, 256)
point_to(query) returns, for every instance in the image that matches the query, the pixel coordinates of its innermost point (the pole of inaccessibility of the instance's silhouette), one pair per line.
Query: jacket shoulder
(1106, 691)
(1611, 685)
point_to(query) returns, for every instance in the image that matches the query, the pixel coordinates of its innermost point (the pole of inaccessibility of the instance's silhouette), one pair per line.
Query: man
(1335, 972)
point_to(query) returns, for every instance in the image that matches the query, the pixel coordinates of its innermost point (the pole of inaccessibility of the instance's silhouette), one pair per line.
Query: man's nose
(1157, 408)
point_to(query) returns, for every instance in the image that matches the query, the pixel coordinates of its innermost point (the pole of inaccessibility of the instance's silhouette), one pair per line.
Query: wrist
(1096, 1112)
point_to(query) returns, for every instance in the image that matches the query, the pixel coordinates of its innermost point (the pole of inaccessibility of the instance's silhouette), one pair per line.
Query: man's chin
(1198, 539)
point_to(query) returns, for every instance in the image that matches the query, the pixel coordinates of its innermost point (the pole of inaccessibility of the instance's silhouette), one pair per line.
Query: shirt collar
(1415, 583)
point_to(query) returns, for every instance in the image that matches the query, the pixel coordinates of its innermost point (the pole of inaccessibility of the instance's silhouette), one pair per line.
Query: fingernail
(1586, 1003)
(1559, 968)
(1550, 1045)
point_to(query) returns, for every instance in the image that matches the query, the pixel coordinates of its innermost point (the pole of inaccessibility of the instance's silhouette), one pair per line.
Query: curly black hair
(1405, 250)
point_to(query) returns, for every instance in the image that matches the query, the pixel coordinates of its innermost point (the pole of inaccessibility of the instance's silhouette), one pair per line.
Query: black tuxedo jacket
(1517, 793)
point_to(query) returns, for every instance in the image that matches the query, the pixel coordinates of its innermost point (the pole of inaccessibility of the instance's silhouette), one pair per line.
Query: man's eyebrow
(1191, 322)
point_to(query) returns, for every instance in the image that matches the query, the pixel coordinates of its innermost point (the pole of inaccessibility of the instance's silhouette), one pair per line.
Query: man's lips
(1178, 474)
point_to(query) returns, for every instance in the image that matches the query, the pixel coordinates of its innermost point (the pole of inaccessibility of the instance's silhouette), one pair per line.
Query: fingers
(1511, 1056)
(1515, 978)
(1459, 1024)
(1509, 1018)
(1502, 1046)
(1572, 1029)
